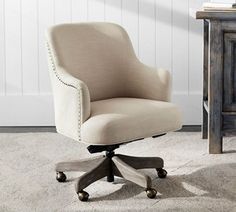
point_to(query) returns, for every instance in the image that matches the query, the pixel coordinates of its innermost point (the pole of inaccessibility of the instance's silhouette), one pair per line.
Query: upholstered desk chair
(105, 97)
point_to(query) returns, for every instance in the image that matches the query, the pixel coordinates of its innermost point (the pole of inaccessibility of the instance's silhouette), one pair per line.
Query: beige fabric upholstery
(71, 102)
(101, 55)
(91, 62)
(126, 119)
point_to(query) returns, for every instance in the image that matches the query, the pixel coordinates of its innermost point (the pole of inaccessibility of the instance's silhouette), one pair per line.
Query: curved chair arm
(149, 83)
(71, 101)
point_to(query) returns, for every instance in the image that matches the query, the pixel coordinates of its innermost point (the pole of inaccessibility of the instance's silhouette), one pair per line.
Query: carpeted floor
(196, 180)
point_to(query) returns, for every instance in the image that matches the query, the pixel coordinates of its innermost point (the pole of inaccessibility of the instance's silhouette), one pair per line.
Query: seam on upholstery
(69, 85)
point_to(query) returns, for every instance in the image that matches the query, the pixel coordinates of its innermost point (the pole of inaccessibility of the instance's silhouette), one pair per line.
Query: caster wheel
(61, 177)
(161, 173)
(83, 196)
(151, 193)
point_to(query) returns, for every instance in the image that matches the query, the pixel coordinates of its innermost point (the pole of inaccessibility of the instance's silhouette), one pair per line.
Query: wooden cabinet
(229, 100)
(219, 77)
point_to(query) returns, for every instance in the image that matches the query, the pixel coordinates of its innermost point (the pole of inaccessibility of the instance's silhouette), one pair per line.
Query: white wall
(223, 1)
(162, 32)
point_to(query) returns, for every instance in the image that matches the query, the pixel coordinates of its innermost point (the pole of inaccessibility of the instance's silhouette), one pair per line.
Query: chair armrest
(71, 102)
(149, 83)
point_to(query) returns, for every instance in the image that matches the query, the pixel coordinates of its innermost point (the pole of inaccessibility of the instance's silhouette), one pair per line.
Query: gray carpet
(196, 180)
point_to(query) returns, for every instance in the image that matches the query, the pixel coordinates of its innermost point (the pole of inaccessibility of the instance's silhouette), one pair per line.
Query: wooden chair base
(109, 166)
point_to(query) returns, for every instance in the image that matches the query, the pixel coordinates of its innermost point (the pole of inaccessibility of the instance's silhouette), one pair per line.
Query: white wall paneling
(45, 19)
(113, 11)
(147, 31)
(2, 47)
(29, 46)
(79, 10)
(26, 110)
(130, 21)
(223, 1)
(194, 49)
(13, 47)
(63, 11)
(162, 32)
(180, 51)
(96, 10)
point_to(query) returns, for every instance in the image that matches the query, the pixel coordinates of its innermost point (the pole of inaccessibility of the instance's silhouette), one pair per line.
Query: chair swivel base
(111, 165)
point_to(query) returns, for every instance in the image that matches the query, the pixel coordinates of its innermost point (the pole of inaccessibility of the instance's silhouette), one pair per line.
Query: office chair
(105, 97)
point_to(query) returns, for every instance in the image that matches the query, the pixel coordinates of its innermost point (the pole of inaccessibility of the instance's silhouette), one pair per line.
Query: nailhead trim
(67, 84)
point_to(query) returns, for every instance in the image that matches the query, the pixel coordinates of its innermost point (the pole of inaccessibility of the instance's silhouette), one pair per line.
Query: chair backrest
(96, 53)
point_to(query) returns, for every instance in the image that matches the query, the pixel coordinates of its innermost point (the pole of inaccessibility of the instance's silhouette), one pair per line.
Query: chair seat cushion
(121, 120)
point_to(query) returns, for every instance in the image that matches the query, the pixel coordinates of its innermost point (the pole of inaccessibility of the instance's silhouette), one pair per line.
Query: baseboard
(191, 128)
(29, 129)
(37, 110)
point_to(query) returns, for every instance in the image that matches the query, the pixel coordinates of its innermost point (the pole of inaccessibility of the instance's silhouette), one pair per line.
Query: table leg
(205, 80)
(215, 88)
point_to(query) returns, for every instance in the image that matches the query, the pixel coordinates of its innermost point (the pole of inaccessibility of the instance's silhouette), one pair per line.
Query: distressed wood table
(219, 77)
